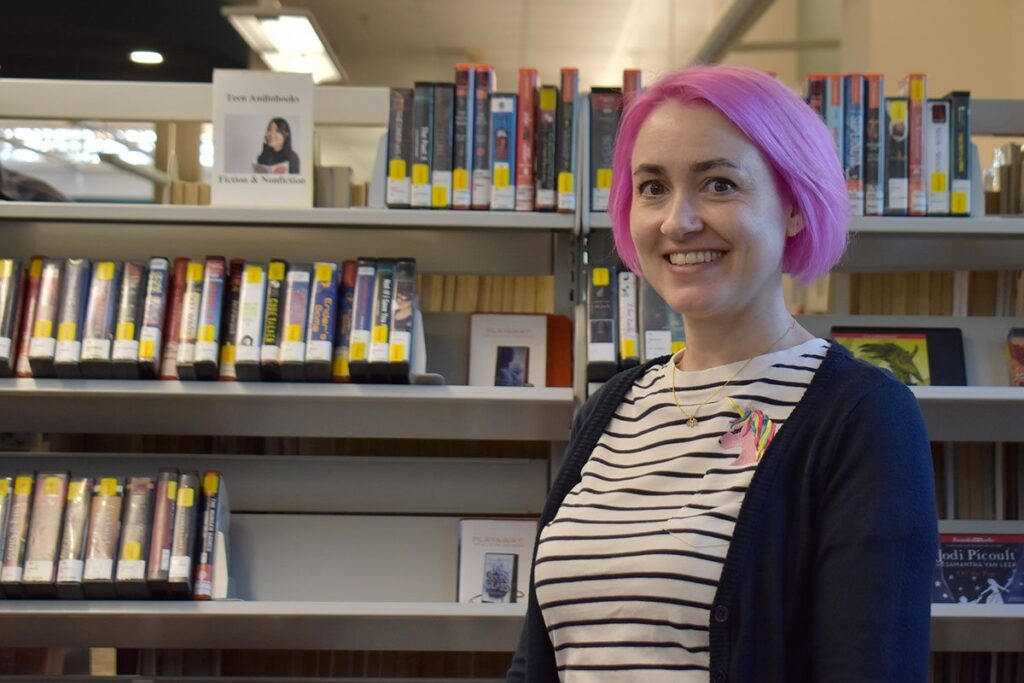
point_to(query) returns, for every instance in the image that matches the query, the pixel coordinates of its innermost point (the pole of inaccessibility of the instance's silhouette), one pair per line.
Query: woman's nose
(683, 217)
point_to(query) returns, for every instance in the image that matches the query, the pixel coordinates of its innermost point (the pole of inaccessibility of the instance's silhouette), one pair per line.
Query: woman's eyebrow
(649, 169)
(707, 165)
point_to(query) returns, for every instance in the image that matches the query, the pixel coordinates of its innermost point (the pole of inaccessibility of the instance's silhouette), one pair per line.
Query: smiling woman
(758, 507)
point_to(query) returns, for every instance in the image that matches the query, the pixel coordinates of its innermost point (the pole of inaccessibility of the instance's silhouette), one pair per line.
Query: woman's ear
(795, 223)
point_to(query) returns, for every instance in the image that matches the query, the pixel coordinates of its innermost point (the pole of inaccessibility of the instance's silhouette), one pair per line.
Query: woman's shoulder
(851, 380)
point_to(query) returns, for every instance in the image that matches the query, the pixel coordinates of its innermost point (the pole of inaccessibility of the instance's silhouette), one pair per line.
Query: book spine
(914, 88)
(526, 127)
(270, 349)
(403, 314)
(229, 322)
(164, 503)
(380, 338)
(71, 319)
(362, 319)
(896, 169)
(632, 86)
(43, 346)
(6, 492)
(815, 93)
(547, 145)
(100, 320)
(323, 316)
(102, 538)
(47, 519)
(399, 186)
(465, 99)
(26, 327)
(17, 532)
(960, 149)
(629, 334)
(602, 346)
(422, 153)
(441, 146)
(133, 550)
(503, 151)
(10, 284)
(71, 557)
(191, 307)
(210, 513)
(654, 326)
(183, 536)
(211, 310)
(249, 334)
(130, 310)
(874, 146)
(604, 124)
(853, 162)
(296, 310)
(171, 330)
(834, 111)
(483, 88)
(343, 330)
(937, 157)
(565, 154)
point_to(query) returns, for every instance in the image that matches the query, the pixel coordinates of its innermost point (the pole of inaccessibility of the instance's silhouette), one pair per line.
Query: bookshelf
(335, 550)
(410, 501)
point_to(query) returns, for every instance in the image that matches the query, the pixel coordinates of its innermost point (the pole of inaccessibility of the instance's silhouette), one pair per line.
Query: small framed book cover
(495, 556)
(508, 350)
(263, 139)
(918, 356)
(1015, 356)
(980, 562)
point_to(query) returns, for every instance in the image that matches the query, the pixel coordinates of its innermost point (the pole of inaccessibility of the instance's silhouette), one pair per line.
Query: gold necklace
(691, 420)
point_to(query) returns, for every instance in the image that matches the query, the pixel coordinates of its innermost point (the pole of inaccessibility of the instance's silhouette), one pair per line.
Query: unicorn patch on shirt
(752, 431)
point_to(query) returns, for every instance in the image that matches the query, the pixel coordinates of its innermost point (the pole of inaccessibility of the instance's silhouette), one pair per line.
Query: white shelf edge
(155, 101)
(288, 625)
(348, 391)
(285, 409)
(907, 226)
(322, 217)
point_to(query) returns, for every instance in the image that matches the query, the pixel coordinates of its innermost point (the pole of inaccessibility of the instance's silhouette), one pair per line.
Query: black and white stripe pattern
(627, 570)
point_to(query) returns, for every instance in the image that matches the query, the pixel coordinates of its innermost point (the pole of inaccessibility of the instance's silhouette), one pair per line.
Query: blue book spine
(503, 151)
(853, 147)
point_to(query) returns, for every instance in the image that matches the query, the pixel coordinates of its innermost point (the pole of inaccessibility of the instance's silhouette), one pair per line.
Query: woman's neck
(711, 342)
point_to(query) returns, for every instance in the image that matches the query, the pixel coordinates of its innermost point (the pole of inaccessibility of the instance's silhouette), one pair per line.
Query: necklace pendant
(692, 422)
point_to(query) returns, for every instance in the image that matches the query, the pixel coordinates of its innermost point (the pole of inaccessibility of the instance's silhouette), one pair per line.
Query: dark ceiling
(91, 39)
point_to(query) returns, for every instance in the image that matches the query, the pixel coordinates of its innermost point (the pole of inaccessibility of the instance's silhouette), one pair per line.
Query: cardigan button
(719, 676)
(721, 614)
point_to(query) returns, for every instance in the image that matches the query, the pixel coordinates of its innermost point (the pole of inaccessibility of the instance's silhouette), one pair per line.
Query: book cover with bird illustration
(916, 356)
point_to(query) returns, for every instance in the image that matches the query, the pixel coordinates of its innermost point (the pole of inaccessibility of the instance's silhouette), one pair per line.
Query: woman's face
(706, 218)
(274, 137)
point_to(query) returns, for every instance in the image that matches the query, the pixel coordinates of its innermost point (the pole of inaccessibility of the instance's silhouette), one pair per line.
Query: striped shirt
(627, 570)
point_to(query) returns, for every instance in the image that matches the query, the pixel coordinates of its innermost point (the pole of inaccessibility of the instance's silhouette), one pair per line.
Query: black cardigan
(828, 575)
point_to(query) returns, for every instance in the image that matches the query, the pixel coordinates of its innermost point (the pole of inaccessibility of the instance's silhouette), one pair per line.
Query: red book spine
(631, 85)
(28, 303)
(527, 125)
(914, 88)
(168, 369)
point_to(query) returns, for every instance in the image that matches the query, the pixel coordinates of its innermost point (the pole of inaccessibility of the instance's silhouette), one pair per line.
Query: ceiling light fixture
(146, 57)
(286, 39)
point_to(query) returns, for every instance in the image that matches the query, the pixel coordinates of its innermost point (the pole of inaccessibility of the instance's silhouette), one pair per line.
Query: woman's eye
(721, 185)
(651, 188)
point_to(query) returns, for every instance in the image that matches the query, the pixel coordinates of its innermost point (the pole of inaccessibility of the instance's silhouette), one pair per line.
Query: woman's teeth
(692, 257)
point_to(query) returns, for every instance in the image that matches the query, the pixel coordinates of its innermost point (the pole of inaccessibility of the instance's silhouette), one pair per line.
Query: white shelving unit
(330, 551)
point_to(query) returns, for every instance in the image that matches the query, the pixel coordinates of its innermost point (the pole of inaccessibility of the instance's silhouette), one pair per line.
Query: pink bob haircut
(791, 137)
